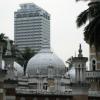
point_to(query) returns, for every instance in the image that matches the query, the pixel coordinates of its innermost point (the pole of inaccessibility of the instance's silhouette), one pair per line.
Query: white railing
(92, 74)
(32, 91)
(94, 93)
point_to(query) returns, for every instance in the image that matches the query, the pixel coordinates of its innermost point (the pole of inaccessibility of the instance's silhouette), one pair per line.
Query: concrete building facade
(31, 27)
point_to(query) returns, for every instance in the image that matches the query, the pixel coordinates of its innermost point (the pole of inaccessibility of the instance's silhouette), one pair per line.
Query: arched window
(94, 64)
(45, 86)
(50, 71)
(79, 65)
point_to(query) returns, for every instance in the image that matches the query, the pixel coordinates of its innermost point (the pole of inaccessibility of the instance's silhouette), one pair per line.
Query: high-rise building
(31, 27)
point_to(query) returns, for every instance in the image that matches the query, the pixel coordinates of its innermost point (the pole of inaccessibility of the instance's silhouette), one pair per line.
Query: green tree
(91, 18)
(2, 37)
(23, 57)
(3, 42)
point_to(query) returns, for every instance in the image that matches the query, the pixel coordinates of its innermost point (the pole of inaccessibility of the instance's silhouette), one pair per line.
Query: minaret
(94, 58)
(2, 75)
(1, 51)
(79, 85)
(9, 60)
(80, 66)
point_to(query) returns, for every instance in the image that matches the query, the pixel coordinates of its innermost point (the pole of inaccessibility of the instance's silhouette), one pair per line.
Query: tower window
(45, 86)
(94, 65)
(79, 65)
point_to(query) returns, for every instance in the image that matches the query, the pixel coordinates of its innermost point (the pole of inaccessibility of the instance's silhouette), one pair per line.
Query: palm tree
(92, 28)
(23, 57)
(3, 42)
(2, 36)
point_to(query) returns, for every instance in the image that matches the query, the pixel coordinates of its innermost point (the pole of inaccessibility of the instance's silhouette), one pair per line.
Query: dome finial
(80, 51)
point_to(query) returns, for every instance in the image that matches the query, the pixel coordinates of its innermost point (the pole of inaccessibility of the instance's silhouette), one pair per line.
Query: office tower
(31, 27)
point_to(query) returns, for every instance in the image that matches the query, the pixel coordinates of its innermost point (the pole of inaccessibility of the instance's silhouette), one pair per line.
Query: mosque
(47, 77)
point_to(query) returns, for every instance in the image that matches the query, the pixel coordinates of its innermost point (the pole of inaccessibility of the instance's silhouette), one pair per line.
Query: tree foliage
(23, 57)
(3, 42)
(92, 28)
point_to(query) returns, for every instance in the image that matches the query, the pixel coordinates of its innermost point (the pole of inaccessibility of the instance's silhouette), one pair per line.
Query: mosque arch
(93, 64)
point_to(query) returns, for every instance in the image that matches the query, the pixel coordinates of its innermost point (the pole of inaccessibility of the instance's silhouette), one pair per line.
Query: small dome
(18, 69)
(40, 63)
(71, 73)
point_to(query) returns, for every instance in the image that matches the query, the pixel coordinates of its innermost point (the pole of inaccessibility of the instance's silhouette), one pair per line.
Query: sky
(65, 36)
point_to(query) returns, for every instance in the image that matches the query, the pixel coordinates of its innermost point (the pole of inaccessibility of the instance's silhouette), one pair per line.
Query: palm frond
(82, 0)
(92, 32)
(94, 10)
(97, 35)
(82, 18)
(91, 12)
(94, 3)
(77, 0)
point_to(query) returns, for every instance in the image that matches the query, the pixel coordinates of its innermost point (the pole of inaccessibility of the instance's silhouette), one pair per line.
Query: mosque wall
(43, 97)
(93, 98)
(80, 97)
(1, 96)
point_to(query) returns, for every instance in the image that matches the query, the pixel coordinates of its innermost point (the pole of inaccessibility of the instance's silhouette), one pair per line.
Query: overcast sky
(65, 37)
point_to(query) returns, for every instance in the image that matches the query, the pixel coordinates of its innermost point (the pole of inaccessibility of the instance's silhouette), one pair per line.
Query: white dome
(41, 61)
(71, 74)
(17, 68)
